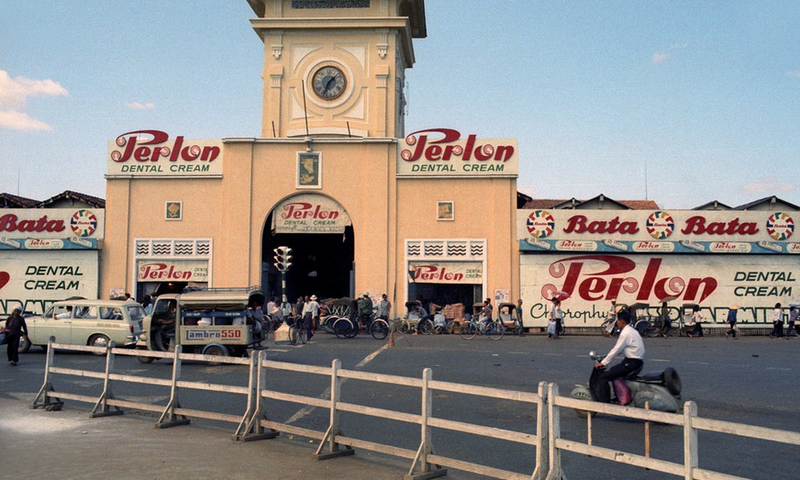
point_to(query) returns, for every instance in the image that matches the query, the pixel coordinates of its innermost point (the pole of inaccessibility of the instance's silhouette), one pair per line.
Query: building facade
(363, 205)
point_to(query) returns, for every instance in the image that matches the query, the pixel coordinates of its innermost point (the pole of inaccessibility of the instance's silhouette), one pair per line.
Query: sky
(680, 102)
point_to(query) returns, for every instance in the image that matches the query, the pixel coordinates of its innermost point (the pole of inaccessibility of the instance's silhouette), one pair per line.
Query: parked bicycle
(492, 329)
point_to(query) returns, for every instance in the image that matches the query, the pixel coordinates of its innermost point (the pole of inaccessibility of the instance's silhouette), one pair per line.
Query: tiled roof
(567, 203)
(13, 201)
(96, 202)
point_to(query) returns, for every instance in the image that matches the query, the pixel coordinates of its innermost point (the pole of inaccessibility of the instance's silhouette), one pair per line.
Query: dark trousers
(732, 331)
(13, 348)
(777, 329)
(308, 324)
(622, 369)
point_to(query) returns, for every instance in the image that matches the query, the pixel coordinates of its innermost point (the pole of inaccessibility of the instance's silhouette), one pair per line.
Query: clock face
(328, 82)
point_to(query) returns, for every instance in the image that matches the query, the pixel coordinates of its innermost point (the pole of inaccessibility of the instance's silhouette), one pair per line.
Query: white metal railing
(254, 422)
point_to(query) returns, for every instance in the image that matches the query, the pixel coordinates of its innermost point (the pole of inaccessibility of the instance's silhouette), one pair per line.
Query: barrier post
(47, 387)
(541, 433)
(554, 421)
(250, 427)
(333, 425)
(102, 402)
(689, 440)
(425, 447)
(168, 418)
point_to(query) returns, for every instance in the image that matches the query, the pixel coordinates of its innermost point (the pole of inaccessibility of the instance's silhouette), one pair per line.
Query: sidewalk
(69, 445)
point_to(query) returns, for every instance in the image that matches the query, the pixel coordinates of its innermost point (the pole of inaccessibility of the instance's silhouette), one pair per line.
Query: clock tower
(336, 68)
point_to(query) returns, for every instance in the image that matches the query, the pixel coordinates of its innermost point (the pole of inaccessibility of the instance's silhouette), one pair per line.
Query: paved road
(753, 380)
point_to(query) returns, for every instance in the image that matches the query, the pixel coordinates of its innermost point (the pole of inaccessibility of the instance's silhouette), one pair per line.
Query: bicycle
(492, 329)
(297, 335)
(379, 329)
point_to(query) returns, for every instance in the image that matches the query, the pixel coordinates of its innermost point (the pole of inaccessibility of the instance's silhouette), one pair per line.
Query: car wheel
(99, 341)
(24, 344)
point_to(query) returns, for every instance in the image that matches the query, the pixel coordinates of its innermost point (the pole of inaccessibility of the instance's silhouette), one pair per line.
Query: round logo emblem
(540, 223)
(660, 225)
(83, 223)
(780, 226)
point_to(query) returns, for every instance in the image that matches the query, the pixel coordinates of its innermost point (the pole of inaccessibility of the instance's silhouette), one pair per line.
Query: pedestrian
(519, 317)
(777, 321)
(147, 303)
(384, 308)
(696, 323)
(298, 311)
(557, 317)
(611, 319)
(732, 321)
(792, 324)
(15, 327)
(364, 310)
(666, 325)
(310, 312)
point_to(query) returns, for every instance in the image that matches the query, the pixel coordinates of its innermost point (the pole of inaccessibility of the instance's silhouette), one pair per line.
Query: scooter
(661, 389)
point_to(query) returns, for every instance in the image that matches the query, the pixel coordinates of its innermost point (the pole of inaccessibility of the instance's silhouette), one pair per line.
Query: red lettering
(151, 150)
(438, 150)
(697, 225)
(604, 277)
(303, 210)
(10, 223)
(581, 224)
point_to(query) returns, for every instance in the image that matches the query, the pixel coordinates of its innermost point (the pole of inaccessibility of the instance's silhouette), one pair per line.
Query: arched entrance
(319, 232)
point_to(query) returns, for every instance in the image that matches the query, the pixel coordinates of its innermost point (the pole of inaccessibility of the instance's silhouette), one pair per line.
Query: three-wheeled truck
(210, 322)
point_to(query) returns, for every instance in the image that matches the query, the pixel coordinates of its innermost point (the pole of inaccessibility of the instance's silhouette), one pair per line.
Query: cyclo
(209, 322)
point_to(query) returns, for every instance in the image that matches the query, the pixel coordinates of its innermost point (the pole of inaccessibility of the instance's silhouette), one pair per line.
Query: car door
(84, 324)
(56, 323)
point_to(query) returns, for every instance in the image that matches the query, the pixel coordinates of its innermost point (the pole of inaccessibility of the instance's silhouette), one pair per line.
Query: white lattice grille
(446, 249)
(176, 248)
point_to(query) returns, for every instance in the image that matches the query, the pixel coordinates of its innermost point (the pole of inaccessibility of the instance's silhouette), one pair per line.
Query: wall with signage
(711, 258)
(33, 280)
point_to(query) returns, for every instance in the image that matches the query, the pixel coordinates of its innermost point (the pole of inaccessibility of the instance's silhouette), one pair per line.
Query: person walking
(365, 310)
(777, 322)
(732, 321)
(697, 323)
(15, 327)
(310, 312)
(556, 317)
(666, 325)
(519, 317)
(792, 323)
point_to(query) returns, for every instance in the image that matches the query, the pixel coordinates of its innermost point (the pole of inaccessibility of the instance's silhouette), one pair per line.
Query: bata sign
(765, 226)
(39, 223)
(309, 213)
(443, 152)
(151, 153)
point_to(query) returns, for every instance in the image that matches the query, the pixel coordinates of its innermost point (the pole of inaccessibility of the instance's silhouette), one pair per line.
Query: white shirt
(629, 343)
(311, 307)
(777, 315)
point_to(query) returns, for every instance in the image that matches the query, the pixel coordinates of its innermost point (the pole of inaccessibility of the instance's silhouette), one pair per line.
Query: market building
(364, 205)
(714, 256)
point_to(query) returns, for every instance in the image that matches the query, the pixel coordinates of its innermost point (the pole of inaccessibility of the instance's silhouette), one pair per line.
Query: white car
(86, 322)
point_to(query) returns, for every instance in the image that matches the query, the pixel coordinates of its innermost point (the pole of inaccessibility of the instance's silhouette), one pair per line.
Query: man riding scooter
(631, 345)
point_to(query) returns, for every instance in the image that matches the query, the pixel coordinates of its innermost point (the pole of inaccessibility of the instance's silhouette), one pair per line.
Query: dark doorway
(322, 263)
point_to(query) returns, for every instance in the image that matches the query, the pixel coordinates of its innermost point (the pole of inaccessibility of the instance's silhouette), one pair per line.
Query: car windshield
(136, 312)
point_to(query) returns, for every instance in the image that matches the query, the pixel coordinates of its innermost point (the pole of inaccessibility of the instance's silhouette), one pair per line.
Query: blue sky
(678, 102)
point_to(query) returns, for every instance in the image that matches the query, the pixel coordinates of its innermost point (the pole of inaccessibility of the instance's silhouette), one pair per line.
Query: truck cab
(210, 322)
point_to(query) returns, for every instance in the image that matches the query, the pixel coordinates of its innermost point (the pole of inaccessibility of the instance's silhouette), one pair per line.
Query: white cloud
(14, 120)
(15, 91)
(769, 185)
(139, 105)
(795, 74)
(659, 57)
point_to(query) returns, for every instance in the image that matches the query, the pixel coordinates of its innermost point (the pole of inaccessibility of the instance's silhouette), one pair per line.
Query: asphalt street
(753, 380)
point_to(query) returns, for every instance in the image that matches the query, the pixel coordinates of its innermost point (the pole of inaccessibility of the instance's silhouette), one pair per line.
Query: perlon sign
(151, 153)
(442, 152)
